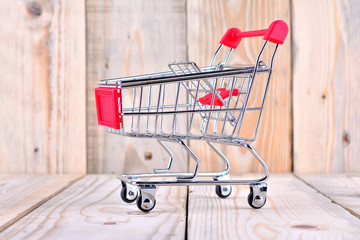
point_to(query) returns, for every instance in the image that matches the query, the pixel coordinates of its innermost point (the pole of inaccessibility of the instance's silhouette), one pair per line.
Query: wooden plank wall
(126, 38)
(53, 53)
(326, 85)
(42, 88)
(207, 22)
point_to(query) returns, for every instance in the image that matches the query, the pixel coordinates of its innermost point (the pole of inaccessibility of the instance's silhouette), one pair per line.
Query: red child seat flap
(206, 100)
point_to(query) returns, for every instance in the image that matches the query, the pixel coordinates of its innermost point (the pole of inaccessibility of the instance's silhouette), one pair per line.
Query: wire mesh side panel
(207, 108)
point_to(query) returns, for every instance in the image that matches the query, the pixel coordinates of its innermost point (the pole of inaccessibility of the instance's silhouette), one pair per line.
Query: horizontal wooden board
(293, 211)
(343, 189)
(21, 194)
(92, 209)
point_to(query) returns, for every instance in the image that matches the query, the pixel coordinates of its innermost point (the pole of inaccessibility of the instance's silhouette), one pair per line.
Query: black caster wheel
(257, 201)
(128, 195)
(223, 191)
(145, 204)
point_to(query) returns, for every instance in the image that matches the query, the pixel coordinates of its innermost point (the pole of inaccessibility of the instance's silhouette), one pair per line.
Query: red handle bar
(276, 33)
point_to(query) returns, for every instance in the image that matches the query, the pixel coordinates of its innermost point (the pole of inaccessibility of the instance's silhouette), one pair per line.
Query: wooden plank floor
(298, 207)
(20, 194)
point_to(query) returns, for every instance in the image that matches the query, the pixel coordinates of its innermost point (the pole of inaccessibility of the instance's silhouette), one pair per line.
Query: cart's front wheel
(257, 195)
(256, 201)
(145, 204)
(223, 191)
(146, 200)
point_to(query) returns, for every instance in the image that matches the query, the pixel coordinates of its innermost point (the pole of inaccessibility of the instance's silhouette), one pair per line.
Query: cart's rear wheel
(223, 191)
(145, 204)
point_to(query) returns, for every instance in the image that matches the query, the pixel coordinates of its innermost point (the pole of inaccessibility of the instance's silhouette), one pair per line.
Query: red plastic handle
(276, 33)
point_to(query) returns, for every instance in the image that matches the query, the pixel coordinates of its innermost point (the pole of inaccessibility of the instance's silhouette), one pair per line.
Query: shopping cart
(191, 103)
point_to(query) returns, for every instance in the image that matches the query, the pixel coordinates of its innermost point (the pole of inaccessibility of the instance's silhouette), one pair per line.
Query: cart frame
(221, 108)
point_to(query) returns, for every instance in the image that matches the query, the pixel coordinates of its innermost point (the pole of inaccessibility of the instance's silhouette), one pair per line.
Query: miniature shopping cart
(192, 103)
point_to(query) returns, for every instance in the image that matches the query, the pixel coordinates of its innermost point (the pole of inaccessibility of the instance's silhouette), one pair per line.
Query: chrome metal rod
(193, 155)
(215, 54)
(251, 79)
(185, 182)
(189, 111)
(260, 159)
(167, 149)
(222, 156)
(265, 92)
(132, 179)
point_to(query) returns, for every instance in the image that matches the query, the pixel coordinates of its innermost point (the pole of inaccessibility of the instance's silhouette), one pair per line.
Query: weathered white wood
(207, 22)
(21, 194)
(92, 209)
(293, 211)
(326, 86)
(343, 189)
(126, 38)
(42, 87)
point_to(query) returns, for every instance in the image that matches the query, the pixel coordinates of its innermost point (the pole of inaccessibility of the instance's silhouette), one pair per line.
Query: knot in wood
(304, 226)
(34, 9)
(346, 138)
(148, 156)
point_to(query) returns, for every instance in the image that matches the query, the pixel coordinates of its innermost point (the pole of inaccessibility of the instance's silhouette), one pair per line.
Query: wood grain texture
(293, 211)
(21, 194)
(343, 189)
(92, 209)
(125, 39)
(207, 22)
(42, 90)
(326, 84)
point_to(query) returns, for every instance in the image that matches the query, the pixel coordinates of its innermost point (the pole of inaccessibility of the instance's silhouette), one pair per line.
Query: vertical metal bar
(212, 105)
(149, 104)
(228, 56)
(221, 86)
(238, 99)
(133, 110)
(242, 113)
(266, 88)
(228, 105)
(163, 108)
(192, 114)
(215, 54)
(251, 79)
(138, 123)
(157, 108)
(174, 125)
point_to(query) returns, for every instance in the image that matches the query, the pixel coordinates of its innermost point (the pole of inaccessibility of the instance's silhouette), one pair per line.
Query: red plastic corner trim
(277, 32)
(107, 106)
(231, 38)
